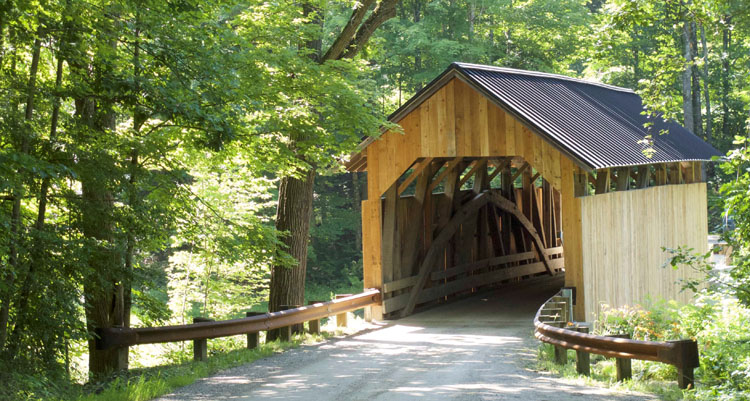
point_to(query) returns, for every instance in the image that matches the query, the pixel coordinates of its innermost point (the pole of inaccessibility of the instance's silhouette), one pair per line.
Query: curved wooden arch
(464, 213)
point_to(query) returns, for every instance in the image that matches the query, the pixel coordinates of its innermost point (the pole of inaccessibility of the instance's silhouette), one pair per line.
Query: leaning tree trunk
(292, 217)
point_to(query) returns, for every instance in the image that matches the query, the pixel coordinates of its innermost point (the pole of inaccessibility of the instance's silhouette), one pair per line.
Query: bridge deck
(479, 348)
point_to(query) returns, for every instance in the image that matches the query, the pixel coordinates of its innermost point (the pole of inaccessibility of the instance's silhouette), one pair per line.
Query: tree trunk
(106, 278)
(293, 217)
(417, 53)
(706, 94)
(103, 291)
(696, 85)
(687, 95)
(725, 66)
(471, 17)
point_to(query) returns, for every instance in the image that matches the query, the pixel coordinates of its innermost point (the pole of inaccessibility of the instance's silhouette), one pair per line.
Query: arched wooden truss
(503, 233)
(466, 212)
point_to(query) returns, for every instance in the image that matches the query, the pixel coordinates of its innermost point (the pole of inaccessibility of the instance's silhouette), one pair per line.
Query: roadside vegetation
(718, 316)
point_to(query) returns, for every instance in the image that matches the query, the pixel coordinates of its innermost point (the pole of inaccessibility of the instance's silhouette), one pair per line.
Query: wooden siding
(623, 233)
(456, 121)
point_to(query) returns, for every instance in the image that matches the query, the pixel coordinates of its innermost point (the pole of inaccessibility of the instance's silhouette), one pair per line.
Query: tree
(294, 209)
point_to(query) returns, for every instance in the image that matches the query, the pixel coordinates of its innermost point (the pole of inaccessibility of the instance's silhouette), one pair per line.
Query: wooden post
(389, 246)
(644, 176)
(253, 339)
(583, 359)
(200, 346)
(285, 333)
(624, 366)
(602, 181)
(623, 179)
(687, 361)
(341, 318)
(561, 355)
(313, 326)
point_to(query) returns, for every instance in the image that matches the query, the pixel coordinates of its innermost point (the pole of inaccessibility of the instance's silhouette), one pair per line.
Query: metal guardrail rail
(552, 325)
(123, 337)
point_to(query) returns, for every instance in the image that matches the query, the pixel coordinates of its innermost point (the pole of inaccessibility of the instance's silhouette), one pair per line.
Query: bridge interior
(453, 226)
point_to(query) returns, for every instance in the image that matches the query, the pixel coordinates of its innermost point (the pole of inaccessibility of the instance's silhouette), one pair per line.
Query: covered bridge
(503, 174)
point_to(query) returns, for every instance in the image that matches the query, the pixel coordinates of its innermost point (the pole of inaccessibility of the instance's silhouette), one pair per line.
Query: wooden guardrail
(553, 325)
(203, 329)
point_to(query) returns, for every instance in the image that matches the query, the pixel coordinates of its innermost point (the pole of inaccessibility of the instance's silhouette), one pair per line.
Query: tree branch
(345, 37)
(384, 11)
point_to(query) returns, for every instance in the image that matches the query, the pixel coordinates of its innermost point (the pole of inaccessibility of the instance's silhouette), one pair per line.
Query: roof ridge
(538, 74)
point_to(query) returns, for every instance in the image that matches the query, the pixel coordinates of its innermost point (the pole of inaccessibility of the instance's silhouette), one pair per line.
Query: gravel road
(479, 348)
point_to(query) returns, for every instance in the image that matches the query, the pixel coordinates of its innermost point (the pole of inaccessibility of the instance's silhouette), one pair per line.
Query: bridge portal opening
(455, 226)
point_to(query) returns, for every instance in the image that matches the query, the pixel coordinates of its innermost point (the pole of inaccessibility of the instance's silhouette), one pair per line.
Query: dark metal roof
(595, 124)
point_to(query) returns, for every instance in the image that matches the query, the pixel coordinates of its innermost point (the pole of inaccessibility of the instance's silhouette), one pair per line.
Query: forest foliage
(142, 141)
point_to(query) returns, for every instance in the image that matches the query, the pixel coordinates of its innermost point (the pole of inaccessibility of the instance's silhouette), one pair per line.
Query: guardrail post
(313, 326)
(285, 333)
(253, 339)
(561, 355)
(583, 359)
(200, 346)
(686, 352)
(624, 365)
(341, 318)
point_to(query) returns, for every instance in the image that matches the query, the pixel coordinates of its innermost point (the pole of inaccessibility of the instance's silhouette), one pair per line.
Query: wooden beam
(481, 183)
(476, 165)
(623, 179)
(519, 172)
(644, 176)
(500, 167)
(674, 173)
(602, 181)
(591, 179)
(581, 183)
(448, 168)
(496, 233)
(389, 234)
(661, 174)
(417, 171)
(469, 267)
(549, 214)
(415, 230)
(538, 205)
(508, 206)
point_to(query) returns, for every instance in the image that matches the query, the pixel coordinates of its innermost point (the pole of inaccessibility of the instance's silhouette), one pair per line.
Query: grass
(648, 377)
(149, 383)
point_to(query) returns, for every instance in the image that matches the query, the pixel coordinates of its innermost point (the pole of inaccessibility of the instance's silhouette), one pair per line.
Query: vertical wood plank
(450, 119)
(572, 241)
(389, 234)
(510, 135)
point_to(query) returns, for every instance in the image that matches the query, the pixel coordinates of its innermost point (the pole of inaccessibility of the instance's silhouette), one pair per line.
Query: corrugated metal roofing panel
(600, 125)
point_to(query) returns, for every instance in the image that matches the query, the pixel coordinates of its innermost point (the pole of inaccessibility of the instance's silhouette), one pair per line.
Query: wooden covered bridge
(502, 174)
